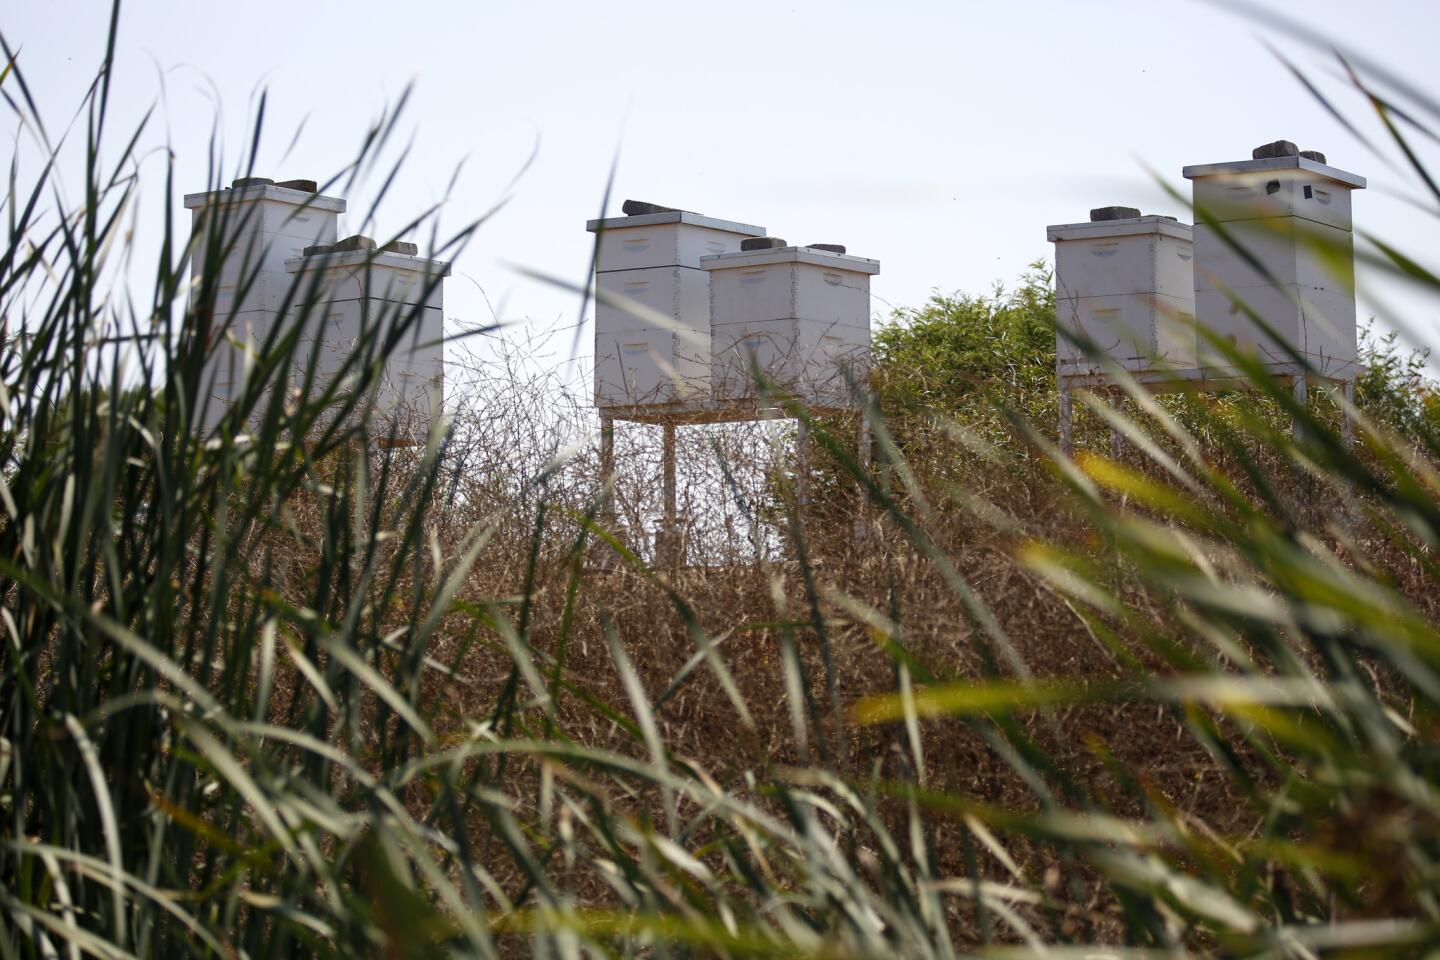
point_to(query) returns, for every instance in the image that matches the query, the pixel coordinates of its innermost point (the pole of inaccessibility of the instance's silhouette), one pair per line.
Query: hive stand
(652, 331)
(685, 301)
(669, 542)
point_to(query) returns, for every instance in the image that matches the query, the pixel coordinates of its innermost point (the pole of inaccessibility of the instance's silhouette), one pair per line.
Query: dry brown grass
(1120, 758)
(744, 605)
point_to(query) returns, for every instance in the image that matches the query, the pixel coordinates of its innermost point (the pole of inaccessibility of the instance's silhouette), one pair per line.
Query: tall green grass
(242, 714)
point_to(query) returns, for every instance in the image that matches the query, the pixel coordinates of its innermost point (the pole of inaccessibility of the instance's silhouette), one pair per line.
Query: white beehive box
(254, 226)
(1124, 282)
(265, 224)
(362, 294)
(800, 316)
(660, 353)
(1278, 239)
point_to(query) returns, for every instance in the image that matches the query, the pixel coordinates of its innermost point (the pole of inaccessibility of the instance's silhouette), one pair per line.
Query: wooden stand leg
(1302, 395)
(1347, 425)
(862, 458)
(607, 472)
(600, 556)
(802, 467)
(1117, 440)
(667, 547)
(1067, 442)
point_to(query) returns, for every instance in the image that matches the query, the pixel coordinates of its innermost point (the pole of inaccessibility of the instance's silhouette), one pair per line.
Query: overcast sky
(937, 137)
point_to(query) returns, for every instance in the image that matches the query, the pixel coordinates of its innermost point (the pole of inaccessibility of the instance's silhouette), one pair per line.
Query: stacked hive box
(656, 351)
(247, 232)
(1276, 240)
(1124, 289)
(797, 316)
(273, 252)
(362, 298)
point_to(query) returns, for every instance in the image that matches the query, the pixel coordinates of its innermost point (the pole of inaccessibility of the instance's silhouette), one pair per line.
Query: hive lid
(328, 257)
(300, 193)
(1267, 164)
(811, 255)
(1129, 227)
(674, 216)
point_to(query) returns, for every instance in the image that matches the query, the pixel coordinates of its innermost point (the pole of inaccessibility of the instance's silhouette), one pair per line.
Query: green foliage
(958, 355)
(1395, 386)
(958, 349)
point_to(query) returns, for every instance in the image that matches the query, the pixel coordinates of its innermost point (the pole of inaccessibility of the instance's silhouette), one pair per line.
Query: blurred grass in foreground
(281, 691)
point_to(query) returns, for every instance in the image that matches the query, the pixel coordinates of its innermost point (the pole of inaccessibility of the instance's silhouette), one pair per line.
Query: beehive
(658, 353)
(797, 317)
(1123, 284)
(246, 233)
(360, 298)
(1274, 237)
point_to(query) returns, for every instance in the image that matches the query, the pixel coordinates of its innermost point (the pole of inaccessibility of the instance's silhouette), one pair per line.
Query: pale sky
(939, 138)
